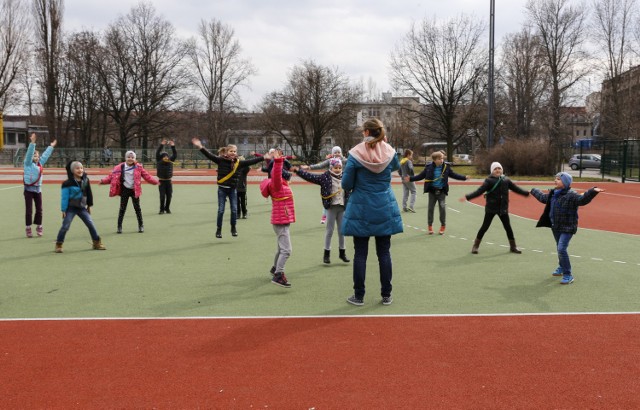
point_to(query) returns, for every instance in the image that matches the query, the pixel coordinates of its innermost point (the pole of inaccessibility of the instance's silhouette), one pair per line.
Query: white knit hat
(495, 165)
(130, 154)
(336, 150)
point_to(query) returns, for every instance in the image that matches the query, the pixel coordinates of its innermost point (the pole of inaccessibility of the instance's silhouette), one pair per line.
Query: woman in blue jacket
(372, 209)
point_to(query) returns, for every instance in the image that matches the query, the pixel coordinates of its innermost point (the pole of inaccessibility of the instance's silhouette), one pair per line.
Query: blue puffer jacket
(372, 209)
(32, 175)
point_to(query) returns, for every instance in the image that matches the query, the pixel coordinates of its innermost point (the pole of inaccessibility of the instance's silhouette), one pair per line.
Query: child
(409, 188)
(496, 189)
(126, 181)
(33, 169)
(164, 167)
(561, 215)
(283, 214)
(436, 184)
(241, 189)
(372, 209)
(334, 200)
(228, 165)
(336, 152)
(76, 199)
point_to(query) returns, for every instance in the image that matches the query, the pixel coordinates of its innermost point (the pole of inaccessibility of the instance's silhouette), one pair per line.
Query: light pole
(491, 102)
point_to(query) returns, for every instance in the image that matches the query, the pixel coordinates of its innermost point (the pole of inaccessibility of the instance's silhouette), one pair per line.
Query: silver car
(585, 161)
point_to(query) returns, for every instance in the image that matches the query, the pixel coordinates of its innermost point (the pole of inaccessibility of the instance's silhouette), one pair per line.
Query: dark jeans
(562, 243)
(506, 223)
(125, 194)
(242, 203)
(84, 215)
(361, 247)
(166, 192)
(29, 199)
(223, 194)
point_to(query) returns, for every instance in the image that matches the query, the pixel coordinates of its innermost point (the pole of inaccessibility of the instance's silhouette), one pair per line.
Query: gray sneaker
(387, 300)
(355, 301)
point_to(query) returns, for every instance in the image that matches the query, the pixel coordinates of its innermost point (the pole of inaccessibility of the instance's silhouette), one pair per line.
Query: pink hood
(375, 159)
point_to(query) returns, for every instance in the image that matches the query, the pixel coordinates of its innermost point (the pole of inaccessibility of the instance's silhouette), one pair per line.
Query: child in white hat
(496, 191)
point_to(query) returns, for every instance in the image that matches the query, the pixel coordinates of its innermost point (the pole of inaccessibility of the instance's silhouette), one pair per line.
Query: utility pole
(491, 102)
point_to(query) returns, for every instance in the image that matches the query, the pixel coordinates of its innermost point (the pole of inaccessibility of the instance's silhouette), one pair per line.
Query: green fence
(619, 158)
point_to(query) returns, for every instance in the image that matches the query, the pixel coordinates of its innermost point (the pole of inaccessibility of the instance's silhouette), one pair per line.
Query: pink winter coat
(282, 207)
(115, 176)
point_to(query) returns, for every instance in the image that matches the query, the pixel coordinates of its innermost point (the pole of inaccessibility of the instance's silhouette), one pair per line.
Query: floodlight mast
(491, 102)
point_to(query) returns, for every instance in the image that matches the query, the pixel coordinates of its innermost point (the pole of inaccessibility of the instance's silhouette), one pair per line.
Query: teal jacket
(372, 209)
(33, 171)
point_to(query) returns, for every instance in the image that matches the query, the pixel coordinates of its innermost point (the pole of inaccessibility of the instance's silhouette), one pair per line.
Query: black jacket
(165, 168)
(226, 165)
(428, 172)
(498, 198)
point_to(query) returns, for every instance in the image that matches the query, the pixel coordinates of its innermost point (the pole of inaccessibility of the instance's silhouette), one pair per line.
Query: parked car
(585, 161)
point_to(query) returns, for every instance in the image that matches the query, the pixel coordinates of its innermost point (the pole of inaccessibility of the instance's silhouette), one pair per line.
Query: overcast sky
(356, 36)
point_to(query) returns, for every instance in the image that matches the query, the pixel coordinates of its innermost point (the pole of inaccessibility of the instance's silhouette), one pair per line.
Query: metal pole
(491, 102)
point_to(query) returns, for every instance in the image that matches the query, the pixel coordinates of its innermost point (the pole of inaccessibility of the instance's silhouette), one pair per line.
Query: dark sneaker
(168, 211)
(557, 272)
(273, 271)
(387, 300)
(281, 280)
(218, 233)
(355, 301)
(161, 212)
(411, 210)
(566, 279)
(141, 229)
(119, 229)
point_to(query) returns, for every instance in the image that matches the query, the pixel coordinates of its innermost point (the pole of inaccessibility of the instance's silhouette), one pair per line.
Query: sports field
(191, 321)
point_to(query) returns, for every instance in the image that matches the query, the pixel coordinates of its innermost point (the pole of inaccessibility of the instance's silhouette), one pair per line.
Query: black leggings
(125, 194)
(488, 218)
(166, 192)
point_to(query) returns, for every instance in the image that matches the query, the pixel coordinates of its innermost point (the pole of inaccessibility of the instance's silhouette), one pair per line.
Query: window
(10, 138)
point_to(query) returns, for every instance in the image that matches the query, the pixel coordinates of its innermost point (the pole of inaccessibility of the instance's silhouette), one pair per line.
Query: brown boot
(97, 245)
(58, 247)
(512, 246)
(476, 245)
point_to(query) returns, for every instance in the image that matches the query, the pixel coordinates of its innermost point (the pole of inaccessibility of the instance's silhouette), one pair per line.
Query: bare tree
(13, 46)
(522, 77)
(316, 102)
(218, 71)
(561, 28)
(48, 17)
(441, 62)
(138, 66)
(611, 27)
(84, 114)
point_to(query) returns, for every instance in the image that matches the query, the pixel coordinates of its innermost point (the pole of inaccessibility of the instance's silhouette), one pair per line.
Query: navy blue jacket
(565, 213)
(326, 185)
(428, 172)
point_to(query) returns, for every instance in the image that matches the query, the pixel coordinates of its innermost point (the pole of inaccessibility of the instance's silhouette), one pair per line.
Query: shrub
(518, 157)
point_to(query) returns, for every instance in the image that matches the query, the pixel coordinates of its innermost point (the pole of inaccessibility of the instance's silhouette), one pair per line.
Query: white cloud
(354, 35)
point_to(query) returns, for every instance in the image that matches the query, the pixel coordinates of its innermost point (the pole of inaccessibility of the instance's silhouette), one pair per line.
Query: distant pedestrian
(561, 215)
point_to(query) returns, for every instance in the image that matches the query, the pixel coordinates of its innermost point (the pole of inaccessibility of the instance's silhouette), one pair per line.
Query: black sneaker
(234, 232)
(119, 229)
(140, 229)
(168, 211)
(355, 301)
(387, 300)
(161, 212)
(273, 271)
(218, 233)
(281, 280)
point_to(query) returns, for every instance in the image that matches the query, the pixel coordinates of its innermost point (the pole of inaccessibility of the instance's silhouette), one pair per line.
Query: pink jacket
(138, 173)
(283, 210)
